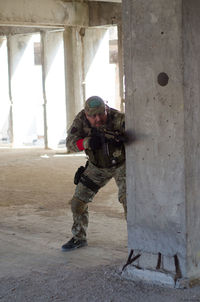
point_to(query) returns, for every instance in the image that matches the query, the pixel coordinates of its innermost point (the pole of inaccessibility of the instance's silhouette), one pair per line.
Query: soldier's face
(97, 120)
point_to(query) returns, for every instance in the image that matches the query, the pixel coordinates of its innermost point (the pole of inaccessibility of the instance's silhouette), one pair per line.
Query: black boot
(73, 244)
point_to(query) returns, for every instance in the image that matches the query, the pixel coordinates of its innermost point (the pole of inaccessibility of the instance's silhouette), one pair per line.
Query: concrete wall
(162, 109)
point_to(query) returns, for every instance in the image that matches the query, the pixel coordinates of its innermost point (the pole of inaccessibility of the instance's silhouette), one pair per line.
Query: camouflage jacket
(111, 153)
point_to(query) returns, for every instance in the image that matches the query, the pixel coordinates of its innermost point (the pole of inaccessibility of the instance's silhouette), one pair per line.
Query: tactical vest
(111, 153)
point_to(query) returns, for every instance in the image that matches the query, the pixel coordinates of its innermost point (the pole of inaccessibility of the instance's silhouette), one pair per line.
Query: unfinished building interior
(142, 57)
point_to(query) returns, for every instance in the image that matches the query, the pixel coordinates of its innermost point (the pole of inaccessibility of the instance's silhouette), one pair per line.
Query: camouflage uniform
(103, 165)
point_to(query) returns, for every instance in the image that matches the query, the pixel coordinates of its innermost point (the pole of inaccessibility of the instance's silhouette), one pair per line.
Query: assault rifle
(105, 136)
(109, 136)
(114, 137)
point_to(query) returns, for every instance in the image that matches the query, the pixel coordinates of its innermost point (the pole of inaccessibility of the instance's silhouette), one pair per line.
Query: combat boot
(73, 244)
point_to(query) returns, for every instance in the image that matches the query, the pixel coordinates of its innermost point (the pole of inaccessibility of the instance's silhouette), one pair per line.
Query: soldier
(100, 131)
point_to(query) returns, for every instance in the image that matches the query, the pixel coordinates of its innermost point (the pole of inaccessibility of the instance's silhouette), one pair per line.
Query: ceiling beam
(52, 13)
(104, 13)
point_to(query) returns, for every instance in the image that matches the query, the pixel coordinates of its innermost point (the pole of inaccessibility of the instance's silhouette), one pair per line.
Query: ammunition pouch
(78, 174)
(85, 180)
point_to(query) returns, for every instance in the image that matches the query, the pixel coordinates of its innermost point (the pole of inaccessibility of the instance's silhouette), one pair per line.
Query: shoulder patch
(74, 130)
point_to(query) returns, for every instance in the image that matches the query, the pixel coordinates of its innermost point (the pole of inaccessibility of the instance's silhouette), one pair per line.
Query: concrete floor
(35, 220)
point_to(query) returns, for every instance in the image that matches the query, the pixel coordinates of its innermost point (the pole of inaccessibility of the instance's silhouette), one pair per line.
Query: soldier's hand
(120, 138)
(95, 142)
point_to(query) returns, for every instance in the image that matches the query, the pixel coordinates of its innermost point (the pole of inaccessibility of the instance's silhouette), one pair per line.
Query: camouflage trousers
(83, 195)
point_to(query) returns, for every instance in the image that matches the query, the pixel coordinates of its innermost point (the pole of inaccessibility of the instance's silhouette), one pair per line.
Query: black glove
(120, 139)
(95, 142)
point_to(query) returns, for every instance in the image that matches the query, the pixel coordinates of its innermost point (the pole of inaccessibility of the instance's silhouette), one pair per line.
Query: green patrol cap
(94, 105)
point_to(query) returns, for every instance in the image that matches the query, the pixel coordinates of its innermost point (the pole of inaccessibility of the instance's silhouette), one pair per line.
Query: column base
(158, 278)
(148, 276)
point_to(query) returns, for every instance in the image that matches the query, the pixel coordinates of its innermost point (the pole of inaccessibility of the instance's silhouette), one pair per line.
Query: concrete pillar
(44, 74)
(54, 88)
(25, 89)
(121, 67)
(73, 72)
(161, 51)
(4, 93)
(9, 61)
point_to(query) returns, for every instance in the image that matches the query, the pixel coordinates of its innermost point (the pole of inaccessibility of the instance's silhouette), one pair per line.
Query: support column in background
(54, 88)
(24, 89)
(73, 73)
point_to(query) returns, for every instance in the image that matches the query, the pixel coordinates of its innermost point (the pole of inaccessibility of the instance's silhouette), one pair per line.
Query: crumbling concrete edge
(155, 277)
